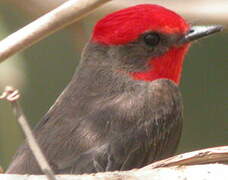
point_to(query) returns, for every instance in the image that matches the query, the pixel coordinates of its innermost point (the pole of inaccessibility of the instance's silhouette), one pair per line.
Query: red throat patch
(168, 66)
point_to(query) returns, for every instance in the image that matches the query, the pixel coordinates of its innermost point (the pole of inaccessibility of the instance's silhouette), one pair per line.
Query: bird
(123, 108)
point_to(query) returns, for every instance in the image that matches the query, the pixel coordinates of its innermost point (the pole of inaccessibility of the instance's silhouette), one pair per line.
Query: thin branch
(12, 95)
(209, 155)
(58, 18)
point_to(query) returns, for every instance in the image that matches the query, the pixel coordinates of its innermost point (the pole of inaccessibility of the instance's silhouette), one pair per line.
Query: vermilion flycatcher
(123, 108)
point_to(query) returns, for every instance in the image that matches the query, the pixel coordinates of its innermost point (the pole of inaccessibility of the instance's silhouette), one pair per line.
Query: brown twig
(209, 155)
(12, 95)
(58, 18)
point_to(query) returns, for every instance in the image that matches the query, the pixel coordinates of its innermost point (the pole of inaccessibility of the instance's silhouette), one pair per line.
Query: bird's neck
(167, 66)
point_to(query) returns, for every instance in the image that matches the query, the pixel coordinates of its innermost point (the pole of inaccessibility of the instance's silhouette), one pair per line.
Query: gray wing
(121, 133)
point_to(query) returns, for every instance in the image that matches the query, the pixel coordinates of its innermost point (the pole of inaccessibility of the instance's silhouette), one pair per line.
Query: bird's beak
(197, 32)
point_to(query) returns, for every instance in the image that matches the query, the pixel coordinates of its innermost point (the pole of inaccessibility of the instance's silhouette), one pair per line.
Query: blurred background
(42, 71)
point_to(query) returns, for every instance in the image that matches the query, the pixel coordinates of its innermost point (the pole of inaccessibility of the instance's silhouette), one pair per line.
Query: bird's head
(148, 42)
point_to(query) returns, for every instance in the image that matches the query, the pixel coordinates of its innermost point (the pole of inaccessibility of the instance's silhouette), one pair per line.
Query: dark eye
(152, 39)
